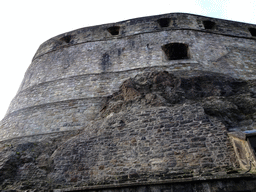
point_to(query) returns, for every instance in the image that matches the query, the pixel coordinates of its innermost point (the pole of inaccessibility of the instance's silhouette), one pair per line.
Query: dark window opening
(175, 51)
(252, 141)
(253, 31)
(114, 30)
(164, 22)
(209, 24)
(67, 38)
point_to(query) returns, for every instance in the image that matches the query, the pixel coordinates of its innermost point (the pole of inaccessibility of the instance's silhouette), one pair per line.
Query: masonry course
(150, 101)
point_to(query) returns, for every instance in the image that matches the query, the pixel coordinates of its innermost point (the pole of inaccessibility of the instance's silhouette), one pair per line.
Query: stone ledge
(170, 181)
(37, 137)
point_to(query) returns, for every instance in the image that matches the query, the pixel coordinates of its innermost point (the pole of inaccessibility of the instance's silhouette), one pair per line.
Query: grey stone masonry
(146, 104)
(90, 64)
(161, 141)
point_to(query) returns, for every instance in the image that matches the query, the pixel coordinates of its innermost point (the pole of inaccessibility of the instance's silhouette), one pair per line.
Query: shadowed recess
(209, 25)
(253, 31)
(175, 51)
(66, 38)
(164, 22)
(114, 30)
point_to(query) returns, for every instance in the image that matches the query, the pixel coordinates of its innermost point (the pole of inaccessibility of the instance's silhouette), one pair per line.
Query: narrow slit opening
(114, 30)
(164, 22)
(209, 24)
(175, 51)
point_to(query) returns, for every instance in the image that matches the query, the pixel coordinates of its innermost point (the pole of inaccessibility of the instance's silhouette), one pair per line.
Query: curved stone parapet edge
(172, 21)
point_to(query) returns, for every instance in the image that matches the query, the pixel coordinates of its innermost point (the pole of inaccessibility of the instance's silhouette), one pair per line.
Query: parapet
(173, 21)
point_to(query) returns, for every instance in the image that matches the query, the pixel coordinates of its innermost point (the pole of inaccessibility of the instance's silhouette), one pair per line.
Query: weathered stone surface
(231, 100)
(154, 128)
(141, 105)
(94, 63)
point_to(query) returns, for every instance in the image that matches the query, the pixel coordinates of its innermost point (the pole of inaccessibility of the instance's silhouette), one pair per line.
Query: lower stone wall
(243, 183)
(24, 161)
(145, 145)
(142, 145)
(157, 128)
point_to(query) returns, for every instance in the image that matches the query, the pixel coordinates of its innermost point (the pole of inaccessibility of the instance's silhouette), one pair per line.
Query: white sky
(25, 24)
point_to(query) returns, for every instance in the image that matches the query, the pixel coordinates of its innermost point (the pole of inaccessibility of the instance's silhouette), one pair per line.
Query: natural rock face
(232, 101)
(26, 162)
(163, 103)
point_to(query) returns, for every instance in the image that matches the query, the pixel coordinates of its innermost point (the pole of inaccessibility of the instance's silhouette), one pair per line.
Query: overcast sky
(25, 24)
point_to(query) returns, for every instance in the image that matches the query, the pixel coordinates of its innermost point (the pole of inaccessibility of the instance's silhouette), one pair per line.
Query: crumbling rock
(26, 162)
(231, 100)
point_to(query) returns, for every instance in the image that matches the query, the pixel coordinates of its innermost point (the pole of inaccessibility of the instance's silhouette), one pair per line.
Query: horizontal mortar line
(167, 181)
(105, 73)
(53, 103)
(157, 31)
(50, 133)
(97, 74)
(63, 101)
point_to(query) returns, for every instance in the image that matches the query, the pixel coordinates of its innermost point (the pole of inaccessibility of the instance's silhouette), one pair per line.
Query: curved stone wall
(72, 74)
(164, 103)
(151, 24)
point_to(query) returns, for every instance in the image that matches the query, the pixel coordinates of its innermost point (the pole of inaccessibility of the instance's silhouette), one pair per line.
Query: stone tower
(161, 103)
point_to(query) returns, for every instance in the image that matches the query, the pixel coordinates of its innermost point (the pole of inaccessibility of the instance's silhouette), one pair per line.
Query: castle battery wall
(72, 74)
